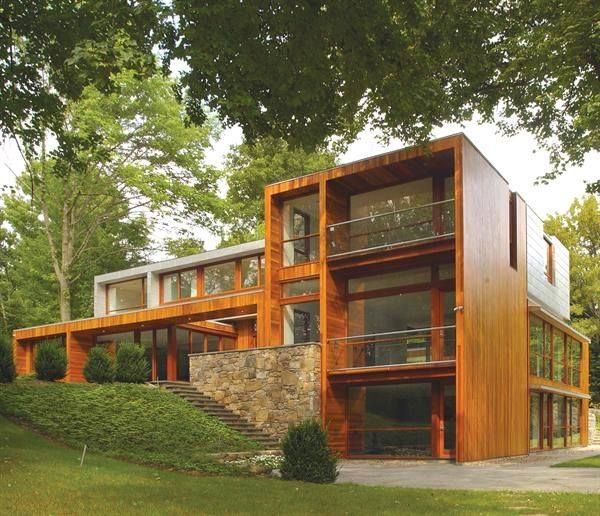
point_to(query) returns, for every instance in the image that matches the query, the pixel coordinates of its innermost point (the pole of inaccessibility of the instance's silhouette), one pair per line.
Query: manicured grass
(134, 422)
(40, 477)
(589, 462)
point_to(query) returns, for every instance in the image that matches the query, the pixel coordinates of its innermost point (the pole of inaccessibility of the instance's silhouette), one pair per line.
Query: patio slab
(529, 473)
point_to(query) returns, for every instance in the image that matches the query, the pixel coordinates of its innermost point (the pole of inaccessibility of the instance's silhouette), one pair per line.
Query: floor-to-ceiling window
(301, 230)
(555, 421)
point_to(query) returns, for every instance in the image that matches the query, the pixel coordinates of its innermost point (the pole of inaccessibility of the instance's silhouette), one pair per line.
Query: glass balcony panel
(393, 348)
(301, 250)
(392, 228)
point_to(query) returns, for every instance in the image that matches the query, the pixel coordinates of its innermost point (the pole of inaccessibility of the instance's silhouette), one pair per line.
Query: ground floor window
(301, 323)
(401, 420)
(554, 421)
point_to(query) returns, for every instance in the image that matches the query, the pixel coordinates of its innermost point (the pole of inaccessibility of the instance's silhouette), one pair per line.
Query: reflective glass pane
(126, 295)
(301, 288)
(188, 283)
(250, 272)
(301, 323)
(170, 287)
(219, 278)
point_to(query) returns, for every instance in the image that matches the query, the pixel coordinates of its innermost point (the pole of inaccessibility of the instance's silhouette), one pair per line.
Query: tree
(579, 231)
(131, 156)
(306, 71)
(131, 365)
(184, 245)
(50, 361)
(99, 366)
(50, 50)
(8, 371)
(248, 169)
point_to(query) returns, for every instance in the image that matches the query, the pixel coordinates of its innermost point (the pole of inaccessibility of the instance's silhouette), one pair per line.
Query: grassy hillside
(39, 477)
(133, 422)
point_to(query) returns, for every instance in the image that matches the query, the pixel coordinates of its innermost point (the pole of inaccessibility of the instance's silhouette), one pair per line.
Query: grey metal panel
(553, 297)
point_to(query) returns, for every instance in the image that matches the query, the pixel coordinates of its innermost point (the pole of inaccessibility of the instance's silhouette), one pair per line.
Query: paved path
(531, 473)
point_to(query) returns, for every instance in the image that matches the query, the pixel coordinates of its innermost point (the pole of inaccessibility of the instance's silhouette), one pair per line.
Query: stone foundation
(270, 387)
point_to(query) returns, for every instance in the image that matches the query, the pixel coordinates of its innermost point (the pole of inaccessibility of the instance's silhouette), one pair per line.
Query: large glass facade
(555, 421)
(126, 295)
(390, 420)
(301, 323)
(301, 230)
(162, 345)
(183, 349)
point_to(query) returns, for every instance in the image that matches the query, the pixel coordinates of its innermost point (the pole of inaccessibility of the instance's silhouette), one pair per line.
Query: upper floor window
(219, 278)
(512, 229)
(126, 295)
(253, 271)
(180, 285)
(549, 267)
(301, 230)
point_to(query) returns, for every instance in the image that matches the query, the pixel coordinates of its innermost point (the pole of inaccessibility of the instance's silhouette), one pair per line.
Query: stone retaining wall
(270, 387)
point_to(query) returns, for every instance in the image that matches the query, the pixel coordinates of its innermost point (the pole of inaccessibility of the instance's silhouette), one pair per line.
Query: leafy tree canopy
(248, 169)
(306, 71)
(50, 50)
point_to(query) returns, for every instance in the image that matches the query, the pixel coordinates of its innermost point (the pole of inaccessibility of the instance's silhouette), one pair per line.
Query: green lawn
(41, 477)
(589, 462)
(133, 422)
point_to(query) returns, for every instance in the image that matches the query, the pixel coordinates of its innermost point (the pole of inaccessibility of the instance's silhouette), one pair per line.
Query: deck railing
(410, 225)
(392, 348)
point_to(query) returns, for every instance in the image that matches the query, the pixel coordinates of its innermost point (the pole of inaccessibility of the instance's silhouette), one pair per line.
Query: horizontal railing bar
(392, 333)
(370, 217)
(392, 244)
(304, 237)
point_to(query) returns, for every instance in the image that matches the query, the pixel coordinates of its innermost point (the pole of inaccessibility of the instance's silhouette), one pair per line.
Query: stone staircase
(213, 408)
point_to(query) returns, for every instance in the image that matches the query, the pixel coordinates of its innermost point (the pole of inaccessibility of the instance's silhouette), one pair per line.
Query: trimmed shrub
(131, 365)
(306, 455)
(50, 362)
(7, 362)
(99, 366)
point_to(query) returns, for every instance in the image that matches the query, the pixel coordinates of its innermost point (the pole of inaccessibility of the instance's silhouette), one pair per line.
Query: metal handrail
(371, 217)
(392, 333)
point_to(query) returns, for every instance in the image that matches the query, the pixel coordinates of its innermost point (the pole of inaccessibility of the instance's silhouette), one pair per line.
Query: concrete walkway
(531, 473)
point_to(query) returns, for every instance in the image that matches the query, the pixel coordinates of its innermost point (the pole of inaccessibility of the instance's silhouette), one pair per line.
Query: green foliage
(50, 361)
(308, 71)
(579, 231)
(249, 168)
(7, 363)
(183, 246)
(99, 366)
(135, 422)
(306, 454)
(131, 365)
(50, 50)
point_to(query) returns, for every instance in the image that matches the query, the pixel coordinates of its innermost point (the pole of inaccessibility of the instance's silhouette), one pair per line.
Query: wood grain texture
(492, 352)
(77, 347)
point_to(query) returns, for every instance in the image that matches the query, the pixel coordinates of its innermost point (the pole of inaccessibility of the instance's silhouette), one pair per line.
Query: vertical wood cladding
(78, 347)
(492, 362)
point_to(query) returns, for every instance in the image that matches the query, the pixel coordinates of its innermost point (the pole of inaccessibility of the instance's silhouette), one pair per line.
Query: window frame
(549, 267)
(179, 272)
(144, 298)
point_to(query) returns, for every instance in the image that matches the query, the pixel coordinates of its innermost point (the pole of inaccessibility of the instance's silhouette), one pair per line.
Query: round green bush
(50, 362)
(131, 365)
(7, 362)
(99, 366)
(306, 455)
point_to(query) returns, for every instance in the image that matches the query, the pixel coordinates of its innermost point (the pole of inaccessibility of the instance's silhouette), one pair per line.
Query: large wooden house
(410, 300)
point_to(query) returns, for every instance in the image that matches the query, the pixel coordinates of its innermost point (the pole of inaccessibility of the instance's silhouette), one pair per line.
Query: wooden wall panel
(492, 355)
(334, 208)
(22, 356)
(78, 347)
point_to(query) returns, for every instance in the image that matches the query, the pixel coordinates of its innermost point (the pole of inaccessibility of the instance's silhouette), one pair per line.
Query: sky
(515, 158)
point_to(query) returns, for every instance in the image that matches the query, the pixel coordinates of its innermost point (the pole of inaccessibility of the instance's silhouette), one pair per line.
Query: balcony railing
(410, 225)
(392, 348)
(300, 249)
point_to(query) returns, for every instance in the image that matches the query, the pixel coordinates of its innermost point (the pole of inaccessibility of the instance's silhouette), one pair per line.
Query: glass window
(301, 323)
(182, 337)
(558, 350)
(162, 344)
(170, 287)
(115, 339)
(558, 421)
(219, 278)
(390, 420)
(300, 230)
(547, 351)
(534, 421)
(188, 283)
(549, 266)
(212, 343)
(250, 272)
(301, 288)
(448, 335)
(197, 342)
(574, 362)
(146, 341)
(446, 271)
(127, 295)
(390, 279)
(536, 344)
(574, 406)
